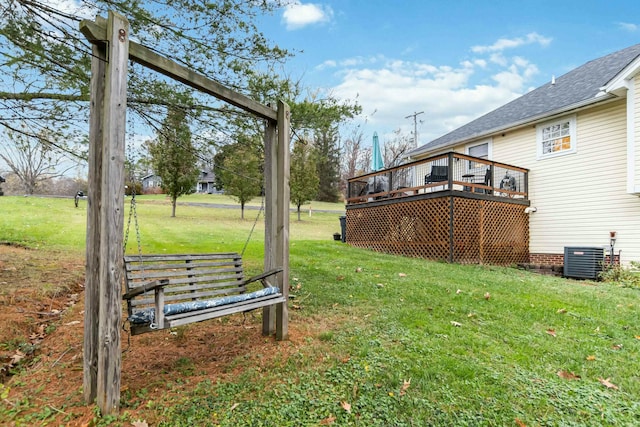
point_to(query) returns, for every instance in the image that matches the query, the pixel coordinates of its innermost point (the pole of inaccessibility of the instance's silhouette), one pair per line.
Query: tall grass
(401, 342)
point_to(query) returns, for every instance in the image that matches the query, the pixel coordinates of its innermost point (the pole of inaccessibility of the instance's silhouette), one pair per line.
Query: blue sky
(455, 60)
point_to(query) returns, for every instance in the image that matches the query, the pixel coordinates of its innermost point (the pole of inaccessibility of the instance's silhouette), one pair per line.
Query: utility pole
(415, 127)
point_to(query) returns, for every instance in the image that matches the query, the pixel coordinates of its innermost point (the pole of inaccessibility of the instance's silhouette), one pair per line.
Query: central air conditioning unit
(583, 262)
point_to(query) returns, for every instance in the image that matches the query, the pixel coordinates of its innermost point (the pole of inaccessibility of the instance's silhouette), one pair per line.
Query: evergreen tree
(174, 157)
(328, 164)
(303, 174)
(241, 174)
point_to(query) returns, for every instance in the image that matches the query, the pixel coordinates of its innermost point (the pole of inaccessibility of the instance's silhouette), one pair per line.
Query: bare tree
(34, 161)
(352, 153)
(396, 148)
(394, 155)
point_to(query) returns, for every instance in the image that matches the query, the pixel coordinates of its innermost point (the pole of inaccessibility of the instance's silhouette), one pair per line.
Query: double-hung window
(481, 150)
(557, 137)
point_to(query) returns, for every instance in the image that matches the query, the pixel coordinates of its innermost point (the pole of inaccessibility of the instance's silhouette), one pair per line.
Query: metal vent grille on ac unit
(583, 262)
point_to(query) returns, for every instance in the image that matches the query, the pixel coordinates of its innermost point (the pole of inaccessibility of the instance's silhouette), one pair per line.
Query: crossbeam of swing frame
(96, 32)
(105, 221)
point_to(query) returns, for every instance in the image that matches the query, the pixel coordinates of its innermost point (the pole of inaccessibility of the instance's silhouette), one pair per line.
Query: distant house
(579, 137)
(206, 183)
(151, 183)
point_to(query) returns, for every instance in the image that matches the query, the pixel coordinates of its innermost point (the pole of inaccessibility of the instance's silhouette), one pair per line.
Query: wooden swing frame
(112, 48)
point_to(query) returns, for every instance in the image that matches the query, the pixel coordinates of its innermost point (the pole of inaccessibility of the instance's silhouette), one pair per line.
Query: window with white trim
(556, 138)
(482, 151)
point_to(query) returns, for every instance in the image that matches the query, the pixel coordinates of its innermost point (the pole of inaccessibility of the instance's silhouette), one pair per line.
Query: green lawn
(408, 342)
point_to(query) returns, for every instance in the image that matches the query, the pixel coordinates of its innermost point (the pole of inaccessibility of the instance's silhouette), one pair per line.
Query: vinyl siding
(636, 127)
(582, 196)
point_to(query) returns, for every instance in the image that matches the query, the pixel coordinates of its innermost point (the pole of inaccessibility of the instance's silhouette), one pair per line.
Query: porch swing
(163, 291)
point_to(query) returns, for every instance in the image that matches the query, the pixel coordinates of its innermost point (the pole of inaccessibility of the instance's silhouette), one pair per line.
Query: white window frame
(573, 140)
(489, 142)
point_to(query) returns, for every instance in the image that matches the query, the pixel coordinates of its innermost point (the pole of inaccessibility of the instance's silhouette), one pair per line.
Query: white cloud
(297, 15)
(450, 96)
(502, 44)
(626, 26)
(73, 7)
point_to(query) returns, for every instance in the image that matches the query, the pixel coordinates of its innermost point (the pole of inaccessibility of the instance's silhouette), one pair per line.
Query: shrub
(624, 276)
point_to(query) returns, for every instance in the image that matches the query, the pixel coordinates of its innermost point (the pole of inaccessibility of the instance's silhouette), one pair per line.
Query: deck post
(282, 218)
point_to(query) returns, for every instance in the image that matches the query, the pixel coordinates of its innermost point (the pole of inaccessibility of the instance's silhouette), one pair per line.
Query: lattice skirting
(454, 229)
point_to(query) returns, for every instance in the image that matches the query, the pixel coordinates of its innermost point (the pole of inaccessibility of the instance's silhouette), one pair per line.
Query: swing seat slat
(165, 291)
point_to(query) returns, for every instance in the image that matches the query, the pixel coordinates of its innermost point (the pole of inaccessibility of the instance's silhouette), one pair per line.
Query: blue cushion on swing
(147, 315)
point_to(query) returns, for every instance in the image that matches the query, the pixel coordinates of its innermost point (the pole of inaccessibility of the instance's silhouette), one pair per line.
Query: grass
(404, 342)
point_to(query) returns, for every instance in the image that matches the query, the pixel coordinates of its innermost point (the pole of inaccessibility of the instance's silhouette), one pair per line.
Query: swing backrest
(191, 276)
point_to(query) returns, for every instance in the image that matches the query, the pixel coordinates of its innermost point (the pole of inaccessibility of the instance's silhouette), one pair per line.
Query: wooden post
(270, 186)
(92, 280)
(111, 215)
(282, 218)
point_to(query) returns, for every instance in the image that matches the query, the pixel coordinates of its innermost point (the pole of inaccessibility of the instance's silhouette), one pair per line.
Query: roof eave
(620, 83)
(602, 96)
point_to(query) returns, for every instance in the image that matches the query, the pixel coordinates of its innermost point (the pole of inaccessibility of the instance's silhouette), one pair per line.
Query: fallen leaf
(471, 315)
(380, 285)
(402, 275)
(359, 270)
(329, 420)
(339, 278)
(405, 386)
(296, 307)
(607, 383)
(617, 346)
(458, 291)
(17, 357)
(638, 337)
(73, 322)
(456, 324)
(346, 359)
(562, 311)
(346, 406)
(591, 358)
(487, 295)
(140, 423)
(551, 332)
(234, 406)
(520, 423)
(568, 375)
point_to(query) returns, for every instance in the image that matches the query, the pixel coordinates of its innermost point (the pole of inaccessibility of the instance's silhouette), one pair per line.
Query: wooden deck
(452, 220)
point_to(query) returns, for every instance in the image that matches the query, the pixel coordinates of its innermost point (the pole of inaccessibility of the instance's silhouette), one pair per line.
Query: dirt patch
(41, 310)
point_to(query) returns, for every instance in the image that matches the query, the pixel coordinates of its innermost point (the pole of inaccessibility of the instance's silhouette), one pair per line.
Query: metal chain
(253, 227)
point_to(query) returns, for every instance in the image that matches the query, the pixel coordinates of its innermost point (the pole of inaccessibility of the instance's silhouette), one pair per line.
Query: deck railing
(447, 172)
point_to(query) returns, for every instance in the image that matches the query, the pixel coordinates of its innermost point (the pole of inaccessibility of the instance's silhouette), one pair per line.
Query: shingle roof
(579, 86)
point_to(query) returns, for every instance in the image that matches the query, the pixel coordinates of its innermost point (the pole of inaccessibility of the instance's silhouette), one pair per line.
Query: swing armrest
(151, 286)
(263, 276)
